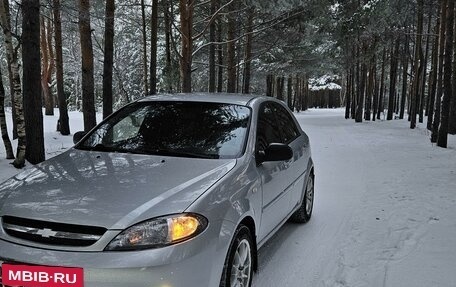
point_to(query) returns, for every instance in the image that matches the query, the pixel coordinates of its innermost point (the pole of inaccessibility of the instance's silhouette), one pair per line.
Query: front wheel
(304, 213)
(238, 268)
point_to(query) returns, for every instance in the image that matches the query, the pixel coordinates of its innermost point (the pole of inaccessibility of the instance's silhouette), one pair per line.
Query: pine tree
(212, 35)
(32, 81)
(433, 76)
(88, 93)
(437, 111)
(452, 117)
(144, 46)
(15, 83)
(153, 47)
(231, 50)
(63, 124)
(442, 140)
(393, 78)
(3, 126)
(48, 62)
(108, 58)
(418, 62)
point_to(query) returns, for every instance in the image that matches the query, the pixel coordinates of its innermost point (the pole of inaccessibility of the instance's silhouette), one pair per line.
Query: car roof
(226, 98)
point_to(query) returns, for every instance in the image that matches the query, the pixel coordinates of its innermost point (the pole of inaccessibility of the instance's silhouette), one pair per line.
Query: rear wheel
(304, 213)
(238, 268)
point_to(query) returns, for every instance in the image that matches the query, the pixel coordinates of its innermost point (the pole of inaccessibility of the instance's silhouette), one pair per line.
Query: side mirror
(78, 136)
(275, 152)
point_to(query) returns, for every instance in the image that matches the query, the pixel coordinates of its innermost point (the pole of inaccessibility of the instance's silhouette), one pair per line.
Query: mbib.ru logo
(41, 276)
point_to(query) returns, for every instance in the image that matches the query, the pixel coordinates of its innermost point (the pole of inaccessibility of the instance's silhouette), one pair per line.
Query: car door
(276, 201)
(296, 169)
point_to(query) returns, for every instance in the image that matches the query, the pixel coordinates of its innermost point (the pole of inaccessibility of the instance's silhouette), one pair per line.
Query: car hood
(111, 190)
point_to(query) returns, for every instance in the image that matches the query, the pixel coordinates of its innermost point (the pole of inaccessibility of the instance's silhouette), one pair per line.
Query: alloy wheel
(242, 264)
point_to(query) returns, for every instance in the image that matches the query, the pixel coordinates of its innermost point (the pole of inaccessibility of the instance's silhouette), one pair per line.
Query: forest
(380, 59)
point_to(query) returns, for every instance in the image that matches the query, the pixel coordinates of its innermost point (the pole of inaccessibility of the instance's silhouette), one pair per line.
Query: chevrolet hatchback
(169, 191)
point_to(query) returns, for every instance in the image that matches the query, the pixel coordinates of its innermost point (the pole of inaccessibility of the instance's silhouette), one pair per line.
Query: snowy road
(385, 210)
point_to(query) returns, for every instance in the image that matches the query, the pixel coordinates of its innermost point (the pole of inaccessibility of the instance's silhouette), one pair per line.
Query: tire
(238, 268)
(304, 213)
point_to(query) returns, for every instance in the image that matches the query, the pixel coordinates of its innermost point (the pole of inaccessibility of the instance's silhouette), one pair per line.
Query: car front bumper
(197, 262)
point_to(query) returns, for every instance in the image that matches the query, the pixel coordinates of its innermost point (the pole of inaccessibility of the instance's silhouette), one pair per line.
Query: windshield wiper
(102, 148)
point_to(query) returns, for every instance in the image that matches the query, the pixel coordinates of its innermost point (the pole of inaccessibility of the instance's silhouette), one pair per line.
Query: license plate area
(12, 274)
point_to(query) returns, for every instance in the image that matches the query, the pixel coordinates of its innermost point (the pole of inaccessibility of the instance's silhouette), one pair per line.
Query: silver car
(169, 191)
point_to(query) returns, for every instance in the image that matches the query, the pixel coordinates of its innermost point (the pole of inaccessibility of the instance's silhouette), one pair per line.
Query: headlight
(159, 232)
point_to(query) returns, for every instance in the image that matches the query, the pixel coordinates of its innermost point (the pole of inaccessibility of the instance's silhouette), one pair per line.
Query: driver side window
(267, 129)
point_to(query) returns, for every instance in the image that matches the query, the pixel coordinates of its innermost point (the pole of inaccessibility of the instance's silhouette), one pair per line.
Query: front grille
(51, 232)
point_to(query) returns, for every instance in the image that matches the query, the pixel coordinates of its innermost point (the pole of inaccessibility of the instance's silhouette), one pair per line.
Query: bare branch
(277, 19)
(213, 17)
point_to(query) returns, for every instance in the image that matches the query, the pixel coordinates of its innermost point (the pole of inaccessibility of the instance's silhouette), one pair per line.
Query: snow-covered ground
(385, 209)
(55, 143)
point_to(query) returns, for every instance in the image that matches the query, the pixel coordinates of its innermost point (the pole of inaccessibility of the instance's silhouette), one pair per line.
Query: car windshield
(185, 129)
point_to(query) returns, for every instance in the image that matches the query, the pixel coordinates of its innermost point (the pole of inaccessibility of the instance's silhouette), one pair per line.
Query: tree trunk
(11, 86)
(88, 97)
(354, 92)
(108, 58)
(63, 123)
(248, 52)
(425, 64)
(361, 95)
(296, 104)
(442, 139)
(231, 51)
(280, 87)
(219, 56)
(153, 47)
(50, 32)
(418, 64)
(144, 46)
(269, 85)
(405, 63)
(393, 79)
(3, 127)
(436, 121)
(10, 69)
(381, 107)
(47, 55)
(433, 77)
(348, 94)
(375, 105)
(290, 92)
(186, 8)
(305, 93)
(452, 117)
(212, 35)
(19, 162)
(370, 90)
(171, 78)
(31, 76)
(238, 71)
(358, 84)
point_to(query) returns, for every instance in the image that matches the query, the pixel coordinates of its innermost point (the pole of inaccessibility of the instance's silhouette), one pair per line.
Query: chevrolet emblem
(46, 233)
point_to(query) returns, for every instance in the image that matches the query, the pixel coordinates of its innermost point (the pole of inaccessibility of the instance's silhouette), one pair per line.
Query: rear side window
(285, 123)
